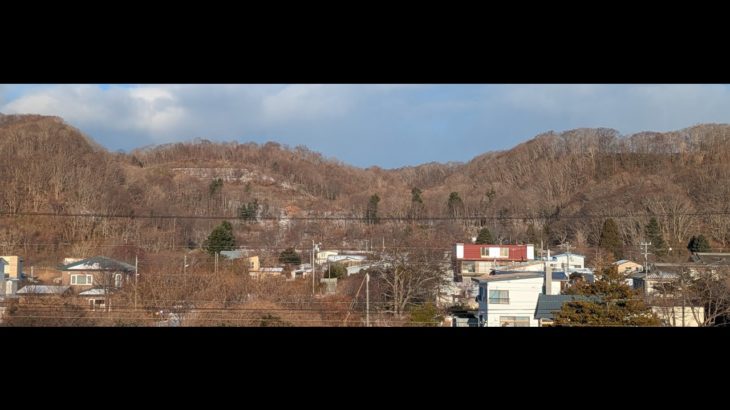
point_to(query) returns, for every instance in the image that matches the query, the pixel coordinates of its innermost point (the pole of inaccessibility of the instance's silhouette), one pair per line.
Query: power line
(357, 218)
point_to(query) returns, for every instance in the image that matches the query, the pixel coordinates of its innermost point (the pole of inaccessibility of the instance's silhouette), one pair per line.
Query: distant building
(474, 259)
(628, 267)
(98, 271)
(15, 266)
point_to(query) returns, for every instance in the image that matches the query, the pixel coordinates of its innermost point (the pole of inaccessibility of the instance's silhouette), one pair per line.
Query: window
(82, 280)
(500, 297)
(468, 267)
(514, 321)
(495, 252)
(118, 280)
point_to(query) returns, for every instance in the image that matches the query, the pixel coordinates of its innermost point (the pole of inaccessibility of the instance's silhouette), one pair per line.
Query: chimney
(548, 278)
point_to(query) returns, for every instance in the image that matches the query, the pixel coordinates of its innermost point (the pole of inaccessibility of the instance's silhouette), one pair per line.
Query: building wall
(673, 316)
(15, 266)
(630, 267)
(253, 264)
(576, 261)
(523, 294)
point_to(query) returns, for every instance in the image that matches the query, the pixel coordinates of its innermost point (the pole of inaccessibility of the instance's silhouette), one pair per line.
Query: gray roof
(43, 290)
(104, 263)
(549, 304)
(93, 292)
(237, 254)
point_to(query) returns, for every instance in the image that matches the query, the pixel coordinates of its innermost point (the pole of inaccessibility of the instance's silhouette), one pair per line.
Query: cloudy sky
(363, 125)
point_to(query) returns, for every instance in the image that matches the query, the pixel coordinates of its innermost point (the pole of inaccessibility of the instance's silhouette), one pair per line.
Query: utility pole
(367, 299)
(185, 264)
(216, 262)
(567, 252)
(646, 255)
(383, 243)
(136, 276)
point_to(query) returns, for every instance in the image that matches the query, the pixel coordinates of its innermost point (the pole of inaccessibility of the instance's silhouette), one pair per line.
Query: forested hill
(49, 166)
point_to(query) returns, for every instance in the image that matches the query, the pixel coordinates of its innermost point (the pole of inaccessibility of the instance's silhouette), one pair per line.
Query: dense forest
(64, 195)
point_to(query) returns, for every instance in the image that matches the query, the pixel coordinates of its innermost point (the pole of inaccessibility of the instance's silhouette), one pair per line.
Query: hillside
(549, 181)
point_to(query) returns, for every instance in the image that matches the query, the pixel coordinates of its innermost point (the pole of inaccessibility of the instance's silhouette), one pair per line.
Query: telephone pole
(567, 247)
(367, 299)
(136, 276)
(646, 254)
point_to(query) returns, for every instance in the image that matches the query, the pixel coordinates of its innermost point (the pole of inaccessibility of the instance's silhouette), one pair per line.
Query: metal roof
(99, 263)
(547, 305)
(43, 290)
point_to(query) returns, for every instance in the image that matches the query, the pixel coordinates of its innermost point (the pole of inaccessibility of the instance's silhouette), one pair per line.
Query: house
(548, 305)
(98, 271)
(509, 300)
(347, 260)
(14, 267)
(565, 261)
(3, 264)
(97, 299)
(323, 255)
(475, 259)
(627, 266)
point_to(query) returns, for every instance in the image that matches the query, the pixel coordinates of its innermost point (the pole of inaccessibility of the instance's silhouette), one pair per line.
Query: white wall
(523, 295)
(560, 260)
(675, 317)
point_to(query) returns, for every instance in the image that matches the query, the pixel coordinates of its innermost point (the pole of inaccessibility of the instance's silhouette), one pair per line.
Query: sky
(388, 125)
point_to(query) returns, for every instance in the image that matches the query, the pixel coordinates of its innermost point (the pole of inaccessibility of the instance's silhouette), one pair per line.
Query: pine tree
(371, 214)
(416, 203)
(455, 205)
(609, 301)
(221, 239)
(610, 239)
(654, 235)
(290, 256)
(698, 244)
(531, 236)
(484, 237)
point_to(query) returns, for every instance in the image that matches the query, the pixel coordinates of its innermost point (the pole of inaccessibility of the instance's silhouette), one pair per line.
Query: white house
(566, 260)
(509, 300)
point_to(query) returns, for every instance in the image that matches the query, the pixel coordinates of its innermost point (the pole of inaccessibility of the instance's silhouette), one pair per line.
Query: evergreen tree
(290, 256)
(416, 203)
(611, 240)
(371, 214)
(531, 236)
(698, 244)
(455, 205)
(249, 212)
(221, 239)
(484, 237)
(609, 301)
(654, 235)
(335, 270)
(215, 186)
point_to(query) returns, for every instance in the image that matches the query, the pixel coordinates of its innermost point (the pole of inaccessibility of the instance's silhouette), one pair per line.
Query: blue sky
(388, 125)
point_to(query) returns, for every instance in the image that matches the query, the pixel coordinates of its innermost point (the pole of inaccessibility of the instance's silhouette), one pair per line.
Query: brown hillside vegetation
(550, 182)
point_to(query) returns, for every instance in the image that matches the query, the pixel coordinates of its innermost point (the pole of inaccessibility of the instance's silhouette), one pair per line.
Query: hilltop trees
(371, 214)
(654, 235)
(455, 205)
(417, 207)
(221, 239)
(610, 239)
